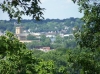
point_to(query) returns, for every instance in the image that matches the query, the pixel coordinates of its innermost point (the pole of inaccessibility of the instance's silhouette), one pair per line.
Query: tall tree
(89, 36)
(88, 59)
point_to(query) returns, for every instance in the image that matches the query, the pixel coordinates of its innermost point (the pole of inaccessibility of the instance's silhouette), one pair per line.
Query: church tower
(18, 30)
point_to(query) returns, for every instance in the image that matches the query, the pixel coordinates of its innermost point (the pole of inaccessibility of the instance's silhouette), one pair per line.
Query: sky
(55, 9)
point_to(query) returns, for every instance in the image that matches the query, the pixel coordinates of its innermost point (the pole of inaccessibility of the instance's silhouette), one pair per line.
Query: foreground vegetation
(15, 58)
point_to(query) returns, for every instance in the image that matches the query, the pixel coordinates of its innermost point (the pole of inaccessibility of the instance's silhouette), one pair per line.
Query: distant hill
(65, 26)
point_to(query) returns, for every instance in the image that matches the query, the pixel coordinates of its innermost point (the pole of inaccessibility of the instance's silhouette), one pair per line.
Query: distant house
(45, 49)
(50, 34)
(37, 35)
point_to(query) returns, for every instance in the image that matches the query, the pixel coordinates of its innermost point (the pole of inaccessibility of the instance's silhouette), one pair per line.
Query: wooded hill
(47, 25)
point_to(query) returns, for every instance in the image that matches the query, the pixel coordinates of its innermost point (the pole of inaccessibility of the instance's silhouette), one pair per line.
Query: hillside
(65, 26)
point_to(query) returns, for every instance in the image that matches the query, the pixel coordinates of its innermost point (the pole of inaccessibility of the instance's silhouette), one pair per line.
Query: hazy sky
(55, 9)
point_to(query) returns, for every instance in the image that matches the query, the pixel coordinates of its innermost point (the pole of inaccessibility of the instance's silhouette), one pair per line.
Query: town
(44, 35)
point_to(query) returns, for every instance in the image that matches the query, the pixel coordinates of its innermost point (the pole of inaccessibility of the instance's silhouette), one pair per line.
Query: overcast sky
(55, 9)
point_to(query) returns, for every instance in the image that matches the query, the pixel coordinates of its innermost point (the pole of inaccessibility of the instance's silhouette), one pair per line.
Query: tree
(31, 37)
(34, 44)
(89, 36)
(42, 38)
(46, 42)
(15, 58)
(17, 8)
(58, 56)
(10, 43)
(58, 39)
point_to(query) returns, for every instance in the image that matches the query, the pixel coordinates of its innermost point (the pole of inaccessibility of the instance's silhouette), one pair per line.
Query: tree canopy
(89, 36)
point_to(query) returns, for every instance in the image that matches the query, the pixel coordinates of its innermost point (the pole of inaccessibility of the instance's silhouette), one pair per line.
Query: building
(21, 36)
(18, 30)
(45, 49)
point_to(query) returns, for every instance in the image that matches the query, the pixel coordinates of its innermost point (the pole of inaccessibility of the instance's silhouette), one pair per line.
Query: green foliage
(58, 39)
(33, 44)
(60, 42)
(63, 26)
(89, 35)
(88, 38)
(58, 56)
(31, 37)
(16, 59)
(27, 7)
(10, 43)
(25, 63)
(42, 38)
(4, 25)
(84, 61)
